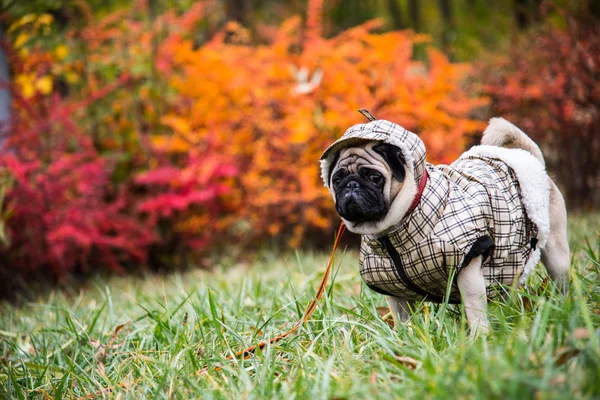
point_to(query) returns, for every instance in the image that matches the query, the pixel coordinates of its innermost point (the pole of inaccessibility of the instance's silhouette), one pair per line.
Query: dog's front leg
(472, 290)
(400, 309)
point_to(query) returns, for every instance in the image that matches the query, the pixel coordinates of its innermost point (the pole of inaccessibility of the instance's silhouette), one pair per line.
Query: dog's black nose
(352, 185)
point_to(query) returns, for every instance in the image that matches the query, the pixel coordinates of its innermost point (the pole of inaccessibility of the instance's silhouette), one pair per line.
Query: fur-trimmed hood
(413, 149)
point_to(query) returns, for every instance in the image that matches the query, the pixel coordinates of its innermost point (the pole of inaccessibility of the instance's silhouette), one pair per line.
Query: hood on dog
(413, 148)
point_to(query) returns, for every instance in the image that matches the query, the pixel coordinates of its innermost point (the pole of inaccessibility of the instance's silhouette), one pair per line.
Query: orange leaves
(273, 109)
(221, 139)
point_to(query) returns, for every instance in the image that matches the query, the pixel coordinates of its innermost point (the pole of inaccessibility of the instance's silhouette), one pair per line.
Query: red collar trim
(420, 189)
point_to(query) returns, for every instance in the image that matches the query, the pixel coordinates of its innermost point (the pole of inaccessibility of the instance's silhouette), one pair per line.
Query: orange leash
(312, 306)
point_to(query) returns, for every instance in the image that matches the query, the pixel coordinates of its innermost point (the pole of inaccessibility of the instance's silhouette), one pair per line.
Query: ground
(153, 337)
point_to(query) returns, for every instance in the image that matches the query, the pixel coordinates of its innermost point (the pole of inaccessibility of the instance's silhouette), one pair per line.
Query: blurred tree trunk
(521, 15)
(526, 11)
(593, 8)
(446, 9)
(396, 13)
(4, 90)
(415, 14)
(349, 13)
(237, 10)
(448, 28)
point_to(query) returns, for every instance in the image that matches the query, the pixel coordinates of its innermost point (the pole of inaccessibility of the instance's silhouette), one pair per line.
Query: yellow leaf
(23, 52)
(45, 19)
(61, 51)
(44, 84)
(21, 39)
(21, 21)
(72, 77)
(179, 125)
(25, 81)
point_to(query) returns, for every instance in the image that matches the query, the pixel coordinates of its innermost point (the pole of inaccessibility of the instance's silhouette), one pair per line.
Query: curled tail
(502, 133)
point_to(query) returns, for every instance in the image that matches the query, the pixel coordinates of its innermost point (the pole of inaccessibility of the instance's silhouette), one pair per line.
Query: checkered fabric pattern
(471, 198)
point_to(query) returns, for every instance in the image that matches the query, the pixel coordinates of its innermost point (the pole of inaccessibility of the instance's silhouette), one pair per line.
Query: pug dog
(458, 233)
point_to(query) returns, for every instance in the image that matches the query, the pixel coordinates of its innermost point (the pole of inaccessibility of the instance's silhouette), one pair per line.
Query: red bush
(65, 210)
(196, 187)
(548, 85)
(87, 189)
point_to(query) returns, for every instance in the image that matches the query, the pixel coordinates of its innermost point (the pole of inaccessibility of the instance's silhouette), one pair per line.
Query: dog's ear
(334, 161)
(393, 156)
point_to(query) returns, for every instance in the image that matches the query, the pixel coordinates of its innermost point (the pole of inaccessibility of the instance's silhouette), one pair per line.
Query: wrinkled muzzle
(357, 201)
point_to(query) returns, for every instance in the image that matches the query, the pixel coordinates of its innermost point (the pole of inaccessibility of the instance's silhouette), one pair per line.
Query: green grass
(68, 345)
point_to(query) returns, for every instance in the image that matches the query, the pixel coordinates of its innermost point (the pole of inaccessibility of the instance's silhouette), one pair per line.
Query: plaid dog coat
(491, 202)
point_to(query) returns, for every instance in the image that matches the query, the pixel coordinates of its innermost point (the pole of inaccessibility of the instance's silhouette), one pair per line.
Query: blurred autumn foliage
(150, 145)
(273, 108)
(141, 137)
(549, 84)
(65, 211)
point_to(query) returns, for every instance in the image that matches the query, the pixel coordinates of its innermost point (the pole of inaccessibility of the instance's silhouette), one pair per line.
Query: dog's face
(366, 181)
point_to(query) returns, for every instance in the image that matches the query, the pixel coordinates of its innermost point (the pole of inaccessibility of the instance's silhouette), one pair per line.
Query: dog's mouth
(353, 207)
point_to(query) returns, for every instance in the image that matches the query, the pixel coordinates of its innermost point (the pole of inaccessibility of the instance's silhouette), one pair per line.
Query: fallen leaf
(117, 329)
(373, 378)
(114, 336)
(259, 333)
(558, 379)
(102, 349)
(527, 304)
(533, 358)
(407, 361)
(386, 315)
(581, 333)
(101, 369)
(564, 354)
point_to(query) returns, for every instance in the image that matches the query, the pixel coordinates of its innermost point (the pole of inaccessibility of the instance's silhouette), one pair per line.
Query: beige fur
(400, 309)
(556, 255)
(502, 133)
(472, 290)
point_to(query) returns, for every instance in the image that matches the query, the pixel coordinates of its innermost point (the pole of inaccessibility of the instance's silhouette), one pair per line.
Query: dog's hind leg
(556, 255)
(400, 309)
(471, 285)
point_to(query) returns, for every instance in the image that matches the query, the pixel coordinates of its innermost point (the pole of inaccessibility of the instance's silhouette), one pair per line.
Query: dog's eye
(336, 181)
(375, 178)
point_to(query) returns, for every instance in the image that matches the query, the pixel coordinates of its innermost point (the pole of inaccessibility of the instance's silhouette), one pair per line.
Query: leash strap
(246, 353)
(310, 309)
